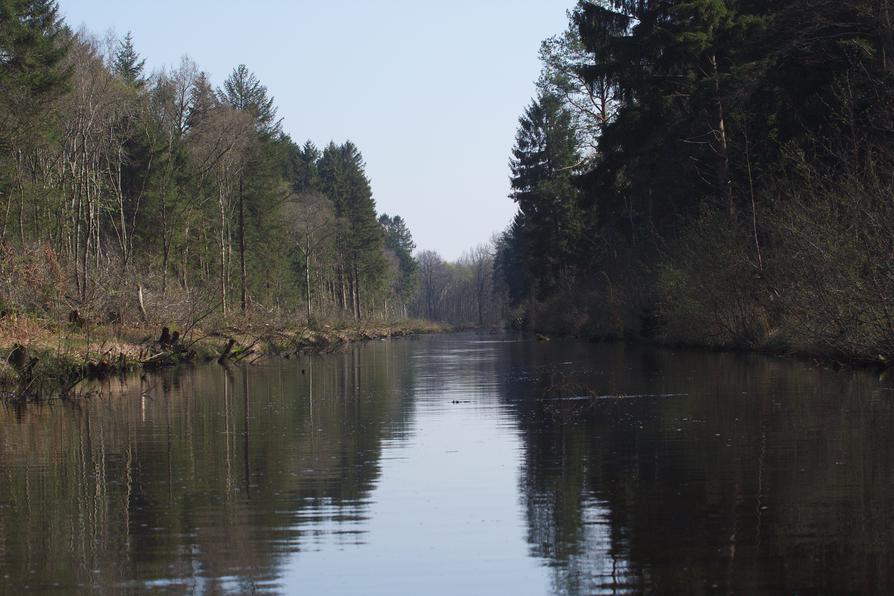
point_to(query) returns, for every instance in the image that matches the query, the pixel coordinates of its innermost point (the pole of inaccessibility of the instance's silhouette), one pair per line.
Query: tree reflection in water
(205, 479)
(766, 475)
(725, 472)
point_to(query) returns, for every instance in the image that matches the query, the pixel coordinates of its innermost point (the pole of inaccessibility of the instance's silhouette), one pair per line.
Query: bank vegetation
(132, 201)
(711, 172)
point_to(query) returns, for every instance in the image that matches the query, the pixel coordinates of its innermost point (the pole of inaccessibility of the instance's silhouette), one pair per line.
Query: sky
(430, 92)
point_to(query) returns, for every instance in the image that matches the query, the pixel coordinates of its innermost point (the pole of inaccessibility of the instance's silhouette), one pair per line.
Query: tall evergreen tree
(343, 179)
(511, 263)
(244, 92)
(202, 100)
(305, 175)
(127, 63)
(543, 162)
(32, 46)
(258, 191)
(399, 240)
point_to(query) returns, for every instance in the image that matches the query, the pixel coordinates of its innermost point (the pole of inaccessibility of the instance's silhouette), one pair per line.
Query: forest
(147, 197)
(130, 195)
(711, 172)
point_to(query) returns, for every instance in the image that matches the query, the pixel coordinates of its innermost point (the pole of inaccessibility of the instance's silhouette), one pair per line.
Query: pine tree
(343, 179)
(202, 100)
(32, 47)
(243, 91)
(127, 64)
(399, 240)
(257, 190)
(304, 172)
(543, 161)
(511, 262)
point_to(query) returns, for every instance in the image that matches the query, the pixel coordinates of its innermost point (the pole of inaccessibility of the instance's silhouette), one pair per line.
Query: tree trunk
(723, 179)
(343, 291)
(165, 243)
(223, 254)
(307, 281)
(21, 184)
(242, 245)
(480, 310)
(356, 294)
(125, 253)
(143, 314)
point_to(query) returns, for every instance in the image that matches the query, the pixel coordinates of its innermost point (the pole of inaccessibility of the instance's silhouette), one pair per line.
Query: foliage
(127, 63)
(729, 189)
(543, 160)
(156, 197)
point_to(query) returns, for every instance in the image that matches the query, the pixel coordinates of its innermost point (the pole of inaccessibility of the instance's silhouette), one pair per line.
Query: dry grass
(69, 352)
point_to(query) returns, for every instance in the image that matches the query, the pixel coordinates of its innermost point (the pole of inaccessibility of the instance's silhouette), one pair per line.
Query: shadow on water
(731, 472)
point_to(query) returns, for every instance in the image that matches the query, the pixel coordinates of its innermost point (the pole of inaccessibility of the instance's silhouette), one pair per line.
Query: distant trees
(399, 243)
(460, 293)
(480, 260)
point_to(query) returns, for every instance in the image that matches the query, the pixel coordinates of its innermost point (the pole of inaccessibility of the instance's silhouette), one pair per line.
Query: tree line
(710, 171)
(461, 293)
(129, 194)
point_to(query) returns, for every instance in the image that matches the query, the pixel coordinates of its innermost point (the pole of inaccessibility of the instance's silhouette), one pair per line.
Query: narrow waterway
(457, 464)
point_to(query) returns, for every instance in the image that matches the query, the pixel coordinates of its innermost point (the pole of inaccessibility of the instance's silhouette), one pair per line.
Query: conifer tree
(127, 64)
(202, 100)
(257, 192)
(399, 240)
(343, 179)
(243, 91)
(543, 161)
(32, 47)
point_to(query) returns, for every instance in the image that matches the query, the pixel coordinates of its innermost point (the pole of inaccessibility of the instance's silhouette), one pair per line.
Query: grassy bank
(43, 358)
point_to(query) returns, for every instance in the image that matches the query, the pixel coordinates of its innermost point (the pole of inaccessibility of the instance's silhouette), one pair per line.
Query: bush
(31, 280)
(710, 289)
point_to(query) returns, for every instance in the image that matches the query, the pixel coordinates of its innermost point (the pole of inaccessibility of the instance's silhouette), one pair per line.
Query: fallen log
(226, 351)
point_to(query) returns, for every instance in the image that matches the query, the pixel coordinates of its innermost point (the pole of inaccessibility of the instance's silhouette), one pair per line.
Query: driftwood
(166, 350)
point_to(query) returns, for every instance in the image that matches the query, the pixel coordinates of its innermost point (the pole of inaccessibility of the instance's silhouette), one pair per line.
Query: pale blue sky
(430, 92)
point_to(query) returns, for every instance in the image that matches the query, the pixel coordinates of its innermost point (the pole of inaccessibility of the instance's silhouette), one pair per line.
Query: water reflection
(458, 464)
(764, 475)
(204, 480)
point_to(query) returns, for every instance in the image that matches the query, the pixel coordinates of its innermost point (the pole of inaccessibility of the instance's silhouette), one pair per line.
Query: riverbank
(820, 358)
(679, 316)
(42, 358)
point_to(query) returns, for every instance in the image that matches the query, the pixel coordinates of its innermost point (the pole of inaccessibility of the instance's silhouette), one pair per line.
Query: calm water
(458, 464)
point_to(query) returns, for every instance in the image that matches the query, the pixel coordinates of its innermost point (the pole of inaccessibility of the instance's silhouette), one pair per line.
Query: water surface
(457, 464)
